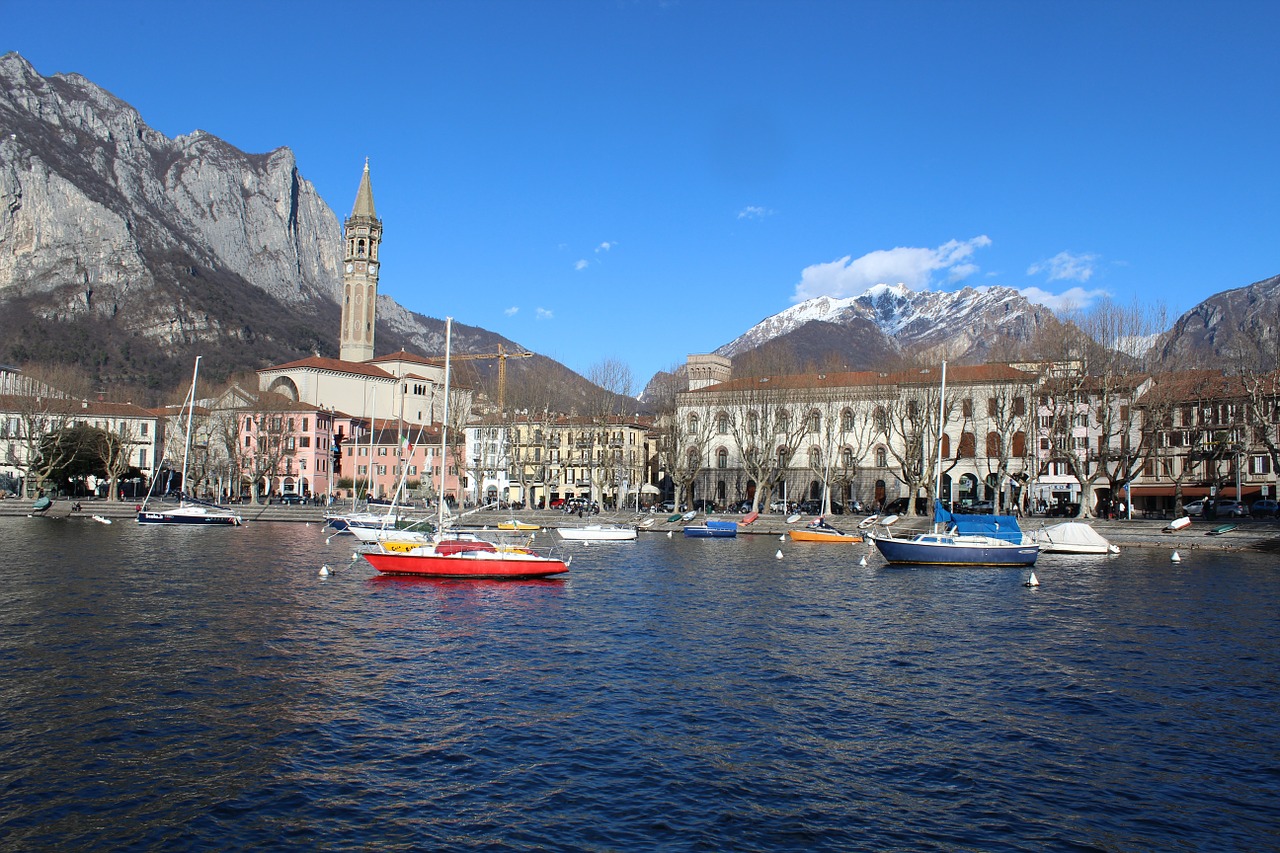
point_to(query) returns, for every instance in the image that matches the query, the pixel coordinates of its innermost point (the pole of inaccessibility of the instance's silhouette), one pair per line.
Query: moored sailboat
(454, 555)
(189, 510)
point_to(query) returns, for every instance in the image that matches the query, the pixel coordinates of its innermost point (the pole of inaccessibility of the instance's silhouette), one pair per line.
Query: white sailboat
(189, 510)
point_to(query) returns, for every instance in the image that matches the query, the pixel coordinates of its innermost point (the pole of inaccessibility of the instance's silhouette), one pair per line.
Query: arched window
(1019, 448)
(881, 419)
(814, 424)
(692, 459)
(753, 423)
(722, 423)
(722, 458)
(693, 422)
(783, 421)
(882, 458)
(968, 445)
(846, 459)
(815, 458)
(846, 420)
(784, 456)
(993, 445)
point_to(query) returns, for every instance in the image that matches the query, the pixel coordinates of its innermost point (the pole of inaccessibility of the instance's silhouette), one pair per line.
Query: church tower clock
(363, 233)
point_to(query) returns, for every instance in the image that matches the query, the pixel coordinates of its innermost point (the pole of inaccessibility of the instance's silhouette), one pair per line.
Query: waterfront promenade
(1249, 534)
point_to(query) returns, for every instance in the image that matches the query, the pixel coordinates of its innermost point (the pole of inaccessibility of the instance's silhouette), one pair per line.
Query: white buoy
(1176, 557)
(782, 539)
(326, 539)
(779, 554)
(668, 534)
(1033, 580)
(863, 561)
(324, 571)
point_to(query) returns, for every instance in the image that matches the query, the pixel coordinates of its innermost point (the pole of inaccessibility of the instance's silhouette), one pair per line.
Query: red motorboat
(467, 558)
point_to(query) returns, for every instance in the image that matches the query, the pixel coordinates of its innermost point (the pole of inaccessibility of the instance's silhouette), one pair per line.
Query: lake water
(171, 689)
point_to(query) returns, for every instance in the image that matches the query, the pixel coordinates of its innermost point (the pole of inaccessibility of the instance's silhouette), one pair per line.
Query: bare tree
(1089, 388)
(906, 420)
(611, 390)
(113, 447)
(1008, 422)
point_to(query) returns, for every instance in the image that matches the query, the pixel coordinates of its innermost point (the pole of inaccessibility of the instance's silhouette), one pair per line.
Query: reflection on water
(194, 688)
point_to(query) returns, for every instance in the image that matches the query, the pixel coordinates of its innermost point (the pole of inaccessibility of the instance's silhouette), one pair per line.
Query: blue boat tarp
(997, 526)
(722, 525)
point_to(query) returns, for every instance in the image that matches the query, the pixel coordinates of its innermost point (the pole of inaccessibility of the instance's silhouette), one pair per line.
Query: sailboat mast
(942, 398)
(191, 414)
(444, 418)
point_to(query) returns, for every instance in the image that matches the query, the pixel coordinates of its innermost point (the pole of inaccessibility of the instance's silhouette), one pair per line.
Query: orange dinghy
(820, 531)
(808, 534)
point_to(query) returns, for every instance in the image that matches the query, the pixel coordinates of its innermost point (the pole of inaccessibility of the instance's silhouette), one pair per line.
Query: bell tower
(363, 233)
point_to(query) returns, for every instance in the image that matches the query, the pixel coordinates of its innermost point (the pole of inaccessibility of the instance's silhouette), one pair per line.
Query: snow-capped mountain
(967, 325)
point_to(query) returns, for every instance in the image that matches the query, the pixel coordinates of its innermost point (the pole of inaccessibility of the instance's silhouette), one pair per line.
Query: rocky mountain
(126, 252)
(867, 331)
(1240, 324)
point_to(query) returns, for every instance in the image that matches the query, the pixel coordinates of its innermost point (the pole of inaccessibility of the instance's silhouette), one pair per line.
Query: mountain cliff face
(123, 245)
(1227, 328)
(126, 253)
(969, 325)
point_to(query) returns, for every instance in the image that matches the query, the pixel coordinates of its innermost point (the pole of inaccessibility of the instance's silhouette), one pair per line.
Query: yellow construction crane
(501, 355)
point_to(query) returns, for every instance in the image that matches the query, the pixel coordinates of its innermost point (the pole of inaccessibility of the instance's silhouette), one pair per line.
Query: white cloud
(1077, 298)
(582, 264)
(605, 246)
(1065, 266)
(753, 211)
(543, 314)
(912, 267)
(512, 311)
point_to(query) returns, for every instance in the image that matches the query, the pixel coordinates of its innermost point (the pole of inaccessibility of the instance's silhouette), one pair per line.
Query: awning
(1163, 491)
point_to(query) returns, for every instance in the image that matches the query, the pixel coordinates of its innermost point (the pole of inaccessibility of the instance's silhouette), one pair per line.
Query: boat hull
(823, 536)
(597, 533)
(467, 560)
(906, 551)
(700, 532)
(188, 515)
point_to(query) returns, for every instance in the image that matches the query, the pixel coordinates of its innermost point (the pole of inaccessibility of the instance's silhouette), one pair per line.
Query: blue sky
(639, 180)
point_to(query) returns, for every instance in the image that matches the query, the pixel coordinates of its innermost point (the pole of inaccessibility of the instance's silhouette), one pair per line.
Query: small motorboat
(513, 524)
(598, 533)
(713, 530)
(819, 531)
(1177, 524)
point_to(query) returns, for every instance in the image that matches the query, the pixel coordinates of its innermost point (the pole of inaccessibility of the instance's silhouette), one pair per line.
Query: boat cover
(1072, 534)
(996, 526)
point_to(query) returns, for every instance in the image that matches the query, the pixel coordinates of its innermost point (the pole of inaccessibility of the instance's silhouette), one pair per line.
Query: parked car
(291, 498)
(1195, 508)
(778, 506)
(810, 507)
(1265, 509)
(896, 507)
(1228, 508)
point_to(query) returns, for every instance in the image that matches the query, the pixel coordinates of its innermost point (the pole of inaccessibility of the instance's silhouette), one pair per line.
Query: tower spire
(362, 237)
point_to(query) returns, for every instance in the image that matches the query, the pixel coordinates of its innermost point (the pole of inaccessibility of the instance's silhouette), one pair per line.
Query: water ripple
(206, 689)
